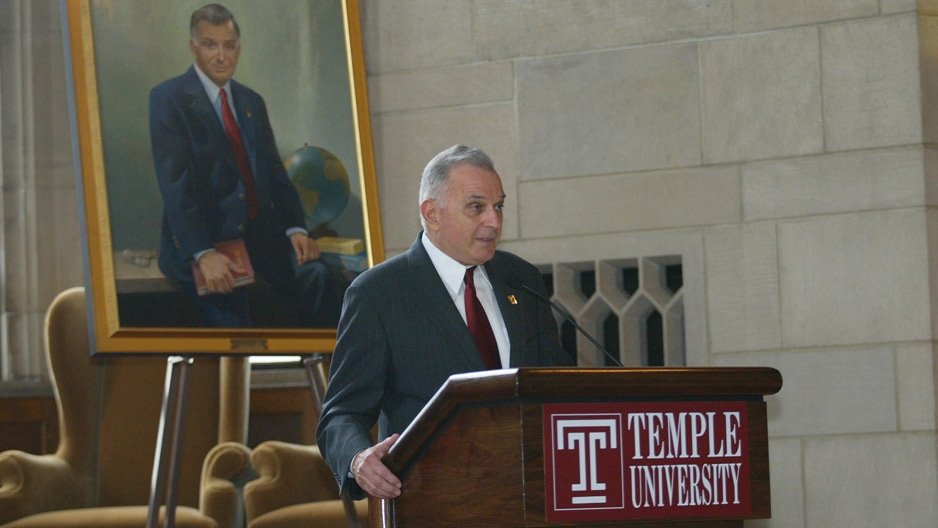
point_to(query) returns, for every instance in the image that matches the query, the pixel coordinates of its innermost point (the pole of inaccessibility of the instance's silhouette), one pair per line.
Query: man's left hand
(305, 247)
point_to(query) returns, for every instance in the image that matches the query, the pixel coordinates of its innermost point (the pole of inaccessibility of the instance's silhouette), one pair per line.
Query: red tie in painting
(479, 325)
(241, 154)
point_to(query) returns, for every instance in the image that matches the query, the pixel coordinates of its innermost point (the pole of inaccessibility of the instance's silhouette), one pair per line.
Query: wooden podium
(586, 447)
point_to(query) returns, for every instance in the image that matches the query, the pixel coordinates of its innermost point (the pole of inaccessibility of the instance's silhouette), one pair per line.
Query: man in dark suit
(403, 329)
(222, 178)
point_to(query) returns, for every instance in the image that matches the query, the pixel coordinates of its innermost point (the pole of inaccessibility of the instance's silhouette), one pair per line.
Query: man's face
(216, 50)
(468, 223)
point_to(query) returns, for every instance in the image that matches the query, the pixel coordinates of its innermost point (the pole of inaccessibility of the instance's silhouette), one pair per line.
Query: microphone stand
(516, 283)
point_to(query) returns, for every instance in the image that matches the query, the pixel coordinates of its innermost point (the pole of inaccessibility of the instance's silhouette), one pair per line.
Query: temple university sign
(620, 461)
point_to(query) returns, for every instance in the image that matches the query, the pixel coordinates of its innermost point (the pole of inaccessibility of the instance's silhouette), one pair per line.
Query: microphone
(514, 282)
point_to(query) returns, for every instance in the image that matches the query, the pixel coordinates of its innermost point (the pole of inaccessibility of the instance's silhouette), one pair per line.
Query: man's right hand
(217, 268)
(372, 475)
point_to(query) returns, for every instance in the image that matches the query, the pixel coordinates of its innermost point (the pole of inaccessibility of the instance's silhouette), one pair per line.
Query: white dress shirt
(453, 274)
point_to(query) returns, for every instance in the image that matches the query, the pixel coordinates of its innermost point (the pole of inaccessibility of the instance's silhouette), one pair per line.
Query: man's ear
(431, 214)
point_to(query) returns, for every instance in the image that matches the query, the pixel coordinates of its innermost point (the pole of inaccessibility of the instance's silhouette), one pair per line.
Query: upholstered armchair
(109, 410)
(295, 487)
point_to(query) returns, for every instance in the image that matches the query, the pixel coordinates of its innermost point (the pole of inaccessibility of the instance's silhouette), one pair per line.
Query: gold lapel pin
(512, 300)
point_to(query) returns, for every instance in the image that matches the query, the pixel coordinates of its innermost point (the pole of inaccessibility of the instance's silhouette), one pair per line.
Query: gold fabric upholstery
(295, 487)
(109, 409)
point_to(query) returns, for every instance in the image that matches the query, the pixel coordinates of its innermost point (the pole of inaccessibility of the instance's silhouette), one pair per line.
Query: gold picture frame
(137, 40)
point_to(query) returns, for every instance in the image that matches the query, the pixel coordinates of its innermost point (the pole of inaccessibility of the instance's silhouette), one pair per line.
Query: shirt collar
(211, 88)
(450, 270)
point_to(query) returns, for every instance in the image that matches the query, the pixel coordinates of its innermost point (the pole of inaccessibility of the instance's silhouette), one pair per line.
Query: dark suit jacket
(401, 336)
(203, 196)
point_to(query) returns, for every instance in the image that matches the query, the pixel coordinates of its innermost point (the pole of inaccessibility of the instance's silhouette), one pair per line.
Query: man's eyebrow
(481, 197)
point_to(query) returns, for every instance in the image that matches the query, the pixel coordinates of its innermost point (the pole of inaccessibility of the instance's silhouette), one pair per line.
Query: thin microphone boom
(518, 284)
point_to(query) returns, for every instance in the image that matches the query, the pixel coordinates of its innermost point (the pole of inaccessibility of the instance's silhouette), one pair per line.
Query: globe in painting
(322, 183)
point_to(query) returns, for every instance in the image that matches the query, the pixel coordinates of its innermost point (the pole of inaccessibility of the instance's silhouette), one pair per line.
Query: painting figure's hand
(305, 247)
(217, 270)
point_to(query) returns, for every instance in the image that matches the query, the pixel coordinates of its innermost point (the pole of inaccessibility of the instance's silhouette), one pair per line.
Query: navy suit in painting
(204, 201)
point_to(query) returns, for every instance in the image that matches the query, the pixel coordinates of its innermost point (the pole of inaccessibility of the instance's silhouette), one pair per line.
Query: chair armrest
(37, 483)
(288, 474)
(226, 465)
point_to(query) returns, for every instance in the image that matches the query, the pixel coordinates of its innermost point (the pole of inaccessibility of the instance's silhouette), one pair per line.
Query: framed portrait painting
(304, 59)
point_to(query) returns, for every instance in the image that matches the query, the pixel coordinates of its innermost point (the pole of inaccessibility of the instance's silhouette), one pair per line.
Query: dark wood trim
(29, 424)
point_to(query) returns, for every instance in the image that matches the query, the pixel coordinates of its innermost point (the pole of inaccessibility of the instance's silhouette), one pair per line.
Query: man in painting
(221, 178)
(414, 320)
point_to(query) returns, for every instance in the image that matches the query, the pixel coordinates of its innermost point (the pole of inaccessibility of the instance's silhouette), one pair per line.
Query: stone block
(761, 15)
(872, 94)
(608, 112)
(742, 287)
(889, 7)
(915, 381)
(441, 87)
(854, 278)
(837, 183)
(761, 96)
(511, 29)
(871, 481)
(632, 202)
(408, 34)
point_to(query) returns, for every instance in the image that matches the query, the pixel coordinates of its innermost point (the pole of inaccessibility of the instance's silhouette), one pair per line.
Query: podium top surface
(613, 382)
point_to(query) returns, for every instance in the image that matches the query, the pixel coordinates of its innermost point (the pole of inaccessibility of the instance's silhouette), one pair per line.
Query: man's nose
(493, 218)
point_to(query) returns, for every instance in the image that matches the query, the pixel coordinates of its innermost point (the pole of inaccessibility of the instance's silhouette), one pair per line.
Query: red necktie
(479, 325)
(241, 154)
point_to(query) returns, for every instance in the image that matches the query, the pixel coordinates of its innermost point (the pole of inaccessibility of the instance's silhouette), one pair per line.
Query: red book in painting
(238, 253)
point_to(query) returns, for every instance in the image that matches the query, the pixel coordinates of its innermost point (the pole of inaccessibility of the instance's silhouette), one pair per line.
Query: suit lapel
(199, 103)
(204, 111)
(440, 308)
(512, 313)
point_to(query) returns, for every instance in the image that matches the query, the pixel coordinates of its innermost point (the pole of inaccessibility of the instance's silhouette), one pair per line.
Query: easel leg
(169, 441)
(318, 377)
(315, 371)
